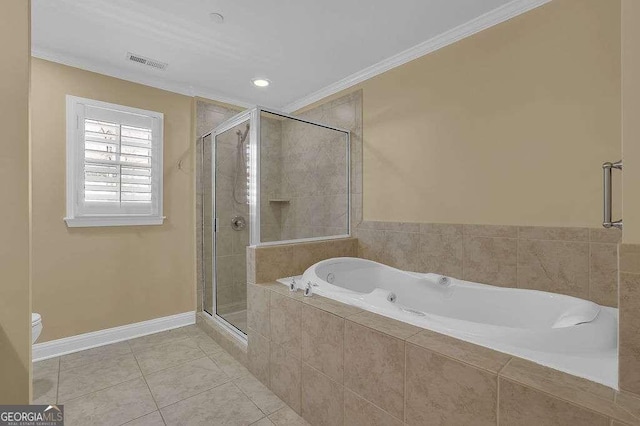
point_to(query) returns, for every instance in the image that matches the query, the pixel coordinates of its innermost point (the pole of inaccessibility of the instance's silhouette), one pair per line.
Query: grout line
(146, 383)
(144, 415)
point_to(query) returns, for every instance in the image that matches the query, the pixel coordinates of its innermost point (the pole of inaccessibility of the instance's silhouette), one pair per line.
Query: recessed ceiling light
(261, 82)
(216, 17)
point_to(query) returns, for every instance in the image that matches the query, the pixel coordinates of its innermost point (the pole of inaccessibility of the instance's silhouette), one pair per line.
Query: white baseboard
(84, 341)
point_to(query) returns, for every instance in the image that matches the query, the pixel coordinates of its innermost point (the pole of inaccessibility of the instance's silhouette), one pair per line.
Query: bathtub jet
(562, 332)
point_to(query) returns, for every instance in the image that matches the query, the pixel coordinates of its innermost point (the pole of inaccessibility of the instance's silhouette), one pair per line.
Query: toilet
(36, 326)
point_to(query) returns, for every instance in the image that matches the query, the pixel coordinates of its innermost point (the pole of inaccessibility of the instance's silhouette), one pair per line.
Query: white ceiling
(302, 46)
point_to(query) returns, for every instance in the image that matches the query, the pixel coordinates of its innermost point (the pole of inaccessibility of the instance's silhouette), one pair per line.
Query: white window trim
(75, 142)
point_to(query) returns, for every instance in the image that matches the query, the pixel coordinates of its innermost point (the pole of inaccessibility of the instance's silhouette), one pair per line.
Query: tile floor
(176, 377)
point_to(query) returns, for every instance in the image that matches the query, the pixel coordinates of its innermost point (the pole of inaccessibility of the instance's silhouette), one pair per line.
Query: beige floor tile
(146, 342)
(153, 419)
(266, 400)
(169, 355)
(45, 381)
(101, 353)
(263, 422)
(184, 381)
(112, 406)
(93, 377)
(229, 365)
(223, 405)
(207, 344)
(287, 417)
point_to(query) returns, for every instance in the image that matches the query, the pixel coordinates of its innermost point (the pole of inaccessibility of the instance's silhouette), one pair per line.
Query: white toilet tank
(36, 326)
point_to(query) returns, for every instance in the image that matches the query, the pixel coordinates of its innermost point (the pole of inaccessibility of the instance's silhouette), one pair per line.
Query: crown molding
(482, 22)
(135, 77)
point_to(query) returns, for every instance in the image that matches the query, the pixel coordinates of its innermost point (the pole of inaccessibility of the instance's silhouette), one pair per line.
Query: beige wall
(509, 126)
(631, 119)
(88, 279)
(15, 309)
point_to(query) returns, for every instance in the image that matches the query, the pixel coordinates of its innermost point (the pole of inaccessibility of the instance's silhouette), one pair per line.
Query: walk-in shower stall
(266, 178)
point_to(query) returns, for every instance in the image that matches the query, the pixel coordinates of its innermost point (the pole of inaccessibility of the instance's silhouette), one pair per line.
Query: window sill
(91, 221)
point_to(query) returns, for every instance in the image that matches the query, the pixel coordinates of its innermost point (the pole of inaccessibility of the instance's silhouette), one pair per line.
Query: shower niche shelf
(279, 200)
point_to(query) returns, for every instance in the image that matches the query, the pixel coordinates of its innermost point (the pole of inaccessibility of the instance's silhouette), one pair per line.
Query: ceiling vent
(139, 59)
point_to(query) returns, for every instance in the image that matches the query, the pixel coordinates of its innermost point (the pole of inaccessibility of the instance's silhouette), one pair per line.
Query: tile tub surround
(358, 368)
(629, 333)
(580, 262)
(268, 263)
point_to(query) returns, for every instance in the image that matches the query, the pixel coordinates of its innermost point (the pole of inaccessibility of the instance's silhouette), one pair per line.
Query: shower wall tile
(490, 260)
(560, 266)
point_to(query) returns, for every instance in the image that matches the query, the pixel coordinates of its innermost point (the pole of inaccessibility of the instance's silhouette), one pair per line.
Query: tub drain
(331, 278)
(391, 297)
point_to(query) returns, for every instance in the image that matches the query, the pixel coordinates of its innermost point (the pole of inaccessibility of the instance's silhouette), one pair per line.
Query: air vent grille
(153, 63)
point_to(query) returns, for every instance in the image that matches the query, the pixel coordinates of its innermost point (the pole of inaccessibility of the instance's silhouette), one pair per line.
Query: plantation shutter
(120, 169)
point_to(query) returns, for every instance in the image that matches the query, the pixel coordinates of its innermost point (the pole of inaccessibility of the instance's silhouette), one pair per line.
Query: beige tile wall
(345, 366)
(629, 321)
(268, 263)
(580, 262)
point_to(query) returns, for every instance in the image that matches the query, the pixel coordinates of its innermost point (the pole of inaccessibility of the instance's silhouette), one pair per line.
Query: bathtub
(561, 332)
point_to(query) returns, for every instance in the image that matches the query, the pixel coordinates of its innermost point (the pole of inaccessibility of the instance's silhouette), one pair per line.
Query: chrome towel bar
(607, 191)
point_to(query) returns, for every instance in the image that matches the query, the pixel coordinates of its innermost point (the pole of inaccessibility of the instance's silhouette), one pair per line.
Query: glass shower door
(230, 222)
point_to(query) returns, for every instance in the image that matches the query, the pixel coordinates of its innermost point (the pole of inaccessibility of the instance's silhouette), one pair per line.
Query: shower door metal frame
(234, 121)
(253, 116)
(255, 239)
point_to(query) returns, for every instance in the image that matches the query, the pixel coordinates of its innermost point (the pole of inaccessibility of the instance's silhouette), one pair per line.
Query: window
(114, 164)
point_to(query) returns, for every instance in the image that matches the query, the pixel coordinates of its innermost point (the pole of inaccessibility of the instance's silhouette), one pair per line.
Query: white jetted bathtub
(561, 332)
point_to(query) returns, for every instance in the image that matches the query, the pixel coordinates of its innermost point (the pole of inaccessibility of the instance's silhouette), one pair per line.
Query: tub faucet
(308, 290)
(292, 285)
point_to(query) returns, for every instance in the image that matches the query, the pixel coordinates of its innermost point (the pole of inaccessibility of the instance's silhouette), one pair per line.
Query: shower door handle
(607, 168)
